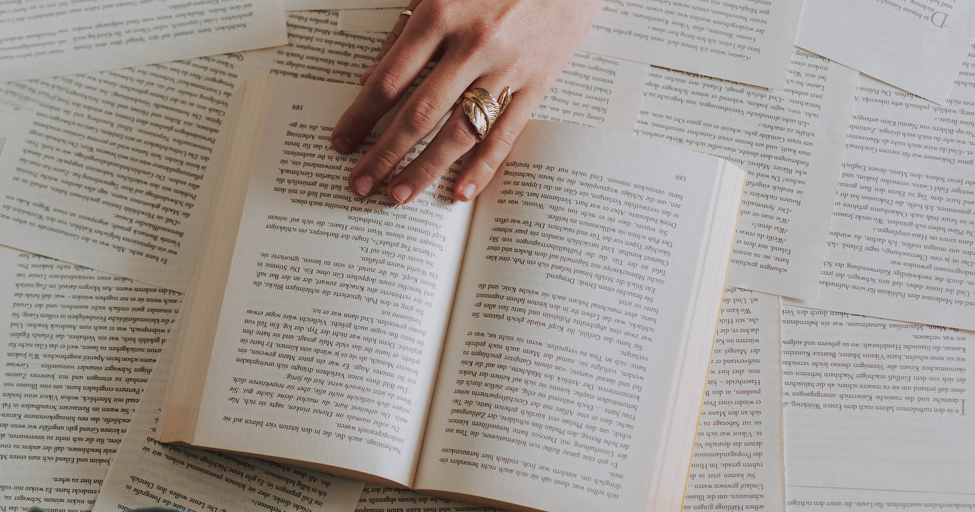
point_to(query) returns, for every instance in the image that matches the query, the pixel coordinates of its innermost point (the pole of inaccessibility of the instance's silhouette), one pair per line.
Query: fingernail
(466, 192)
(363, 185)
(342, 144)
(402, 192)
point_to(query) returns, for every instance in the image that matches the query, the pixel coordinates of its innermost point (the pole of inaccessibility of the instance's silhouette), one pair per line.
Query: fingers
(386, 85)
(482, 164)
(457, 137)
(417, 118)
(390, 40)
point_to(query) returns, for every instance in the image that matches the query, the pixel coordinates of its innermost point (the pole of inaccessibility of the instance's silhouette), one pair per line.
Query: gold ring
(406, 12)
(483, 110)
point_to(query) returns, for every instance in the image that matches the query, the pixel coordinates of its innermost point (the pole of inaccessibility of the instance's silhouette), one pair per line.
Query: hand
(522, 44)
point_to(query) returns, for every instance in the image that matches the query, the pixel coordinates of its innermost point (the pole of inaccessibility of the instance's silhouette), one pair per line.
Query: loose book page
(740, 40)
(317, 50)
(78, 346)
(336, 305)
(555, 382)
(41, 39)
(791, 144)
(115, 170)
(917, 46)
(147, 473)
(902, 239)
(802, 499)
(375, 498)
(877, 405)
(368, 20)
(597, 92)
(307, 5)
(738, 459)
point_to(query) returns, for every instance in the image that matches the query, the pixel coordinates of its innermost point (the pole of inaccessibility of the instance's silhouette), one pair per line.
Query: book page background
(41, 39)
(791, 144)
(552, 280)
(914, 46)
(738, 40)
(902, 239)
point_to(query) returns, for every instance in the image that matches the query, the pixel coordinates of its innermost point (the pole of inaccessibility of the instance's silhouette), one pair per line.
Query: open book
(546, 348)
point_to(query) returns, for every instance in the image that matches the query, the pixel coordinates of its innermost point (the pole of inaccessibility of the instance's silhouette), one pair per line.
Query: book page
(596, 92)
(115, 170)
(791, 144)
(317, 50)
(306, 5)
(739, 40)
(368, 20)
(802, 499)
(876, 405)
(390, 499)
(41, 39)
(147, 473)
(336, 305)
(738, 459)
(902, 240)
(917, 46)
(78, 346)
(553, 389)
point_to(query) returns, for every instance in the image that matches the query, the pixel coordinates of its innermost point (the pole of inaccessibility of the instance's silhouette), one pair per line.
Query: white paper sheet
(740, 40)
(902, 239)
(368, 20)
(738, 459)
(791, 144)
(77, 348)
(916, 45)
(115, 170)
(42, 39)
(307, 5)
(874, 405)
(147, 473)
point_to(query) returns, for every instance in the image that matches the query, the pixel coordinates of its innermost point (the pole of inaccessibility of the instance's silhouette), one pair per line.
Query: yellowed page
(42, 39)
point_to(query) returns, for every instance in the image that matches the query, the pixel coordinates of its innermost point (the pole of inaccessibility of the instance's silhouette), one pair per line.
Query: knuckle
(484, 37)
(460, 134)
(501, 142)
(386, 86)
(422, 116)
(437, 17)
(386, 159)
(425, 173)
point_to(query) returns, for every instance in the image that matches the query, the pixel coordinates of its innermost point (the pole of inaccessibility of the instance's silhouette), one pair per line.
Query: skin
(523, 44)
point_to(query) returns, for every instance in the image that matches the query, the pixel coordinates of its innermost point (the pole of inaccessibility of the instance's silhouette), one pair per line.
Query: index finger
(391, 78)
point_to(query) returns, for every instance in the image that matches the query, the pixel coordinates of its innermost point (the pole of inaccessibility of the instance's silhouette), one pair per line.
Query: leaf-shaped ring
(483, 110)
